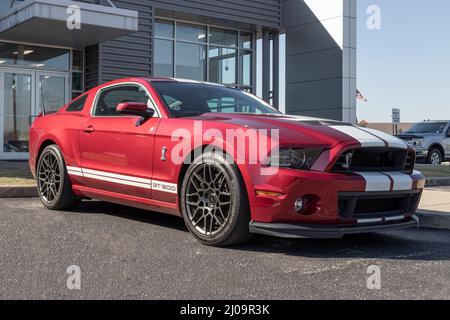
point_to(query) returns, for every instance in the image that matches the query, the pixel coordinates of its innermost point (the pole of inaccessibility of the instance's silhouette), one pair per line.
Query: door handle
(89, 129)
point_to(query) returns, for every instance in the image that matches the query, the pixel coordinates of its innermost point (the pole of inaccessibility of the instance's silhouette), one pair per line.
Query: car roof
(162, 79)
(167, 79)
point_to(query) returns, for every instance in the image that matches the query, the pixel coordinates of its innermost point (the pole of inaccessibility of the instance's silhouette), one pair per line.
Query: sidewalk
(434, 209)
(436, 199)
(16, 180)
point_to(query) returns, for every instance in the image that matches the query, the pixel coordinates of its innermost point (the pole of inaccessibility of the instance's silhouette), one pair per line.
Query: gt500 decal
(165, 187)
(124, 180)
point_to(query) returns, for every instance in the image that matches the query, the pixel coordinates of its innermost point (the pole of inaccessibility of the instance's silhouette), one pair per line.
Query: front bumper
(335, 199)
(294, 231)
(421, 153)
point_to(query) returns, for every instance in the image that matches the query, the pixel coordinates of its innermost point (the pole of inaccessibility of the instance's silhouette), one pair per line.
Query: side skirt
(127, 200)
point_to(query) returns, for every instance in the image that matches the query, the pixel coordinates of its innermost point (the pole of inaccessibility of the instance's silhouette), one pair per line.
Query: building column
(266, 66)
(276, 71)
(321, 58)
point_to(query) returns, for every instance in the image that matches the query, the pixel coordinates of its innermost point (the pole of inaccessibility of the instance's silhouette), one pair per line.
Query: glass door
(52, 91)
(23, 95)
(17, 97)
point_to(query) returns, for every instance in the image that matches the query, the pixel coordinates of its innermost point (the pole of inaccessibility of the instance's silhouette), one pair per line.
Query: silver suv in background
(431, 139)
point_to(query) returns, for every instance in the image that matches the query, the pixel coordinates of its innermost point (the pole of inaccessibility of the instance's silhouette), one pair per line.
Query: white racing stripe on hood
(382, 181)
(364, 138)
(402, 181)
(391, 140)
(376, 181)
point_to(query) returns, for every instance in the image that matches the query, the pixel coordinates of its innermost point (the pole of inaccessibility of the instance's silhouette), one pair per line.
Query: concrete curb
(433, 220)
(437, 182)
(18, 192)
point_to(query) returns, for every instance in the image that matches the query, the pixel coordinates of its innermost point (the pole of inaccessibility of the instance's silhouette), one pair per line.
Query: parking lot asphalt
(124, 253)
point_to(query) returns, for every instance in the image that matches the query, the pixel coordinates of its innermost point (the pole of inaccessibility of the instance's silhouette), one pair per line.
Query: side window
(109, 99)
(77, 105)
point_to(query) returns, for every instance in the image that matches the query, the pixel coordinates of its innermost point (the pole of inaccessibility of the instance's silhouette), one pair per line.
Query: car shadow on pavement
(129, 213)
(408, 244)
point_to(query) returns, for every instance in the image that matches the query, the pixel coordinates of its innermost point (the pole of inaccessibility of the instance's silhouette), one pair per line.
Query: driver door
(117, 152)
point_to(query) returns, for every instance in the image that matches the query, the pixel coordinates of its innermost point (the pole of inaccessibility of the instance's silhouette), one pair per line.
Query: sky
(405, 64)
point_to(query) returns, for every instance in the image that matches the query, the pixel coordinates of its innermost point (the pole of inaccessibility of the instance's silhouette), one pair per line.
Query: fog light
(299, 204)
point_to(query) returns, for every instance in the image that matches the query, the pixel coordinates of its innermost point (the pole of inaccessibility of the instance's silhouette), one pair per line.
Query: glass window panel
(191, 32)
(4, 5)
(52, 93)
(164, 28)
(246, 68)
(222, 65)
(77, 105)
(34, 57)
(78, 57)
(163, 58)
(6, 53)
(17, 112)
(191, 61)
(109, 99)
(77, 81)
(246, 40)
(223, 37)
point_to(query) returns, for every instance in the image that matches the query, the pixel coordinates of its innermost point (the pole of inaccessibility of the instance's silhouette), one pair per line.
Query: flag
(359, 96)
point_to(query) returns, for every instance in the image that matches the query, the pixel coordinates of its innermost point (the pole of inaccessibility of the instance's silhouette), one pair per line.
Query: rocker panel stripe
(124, 179)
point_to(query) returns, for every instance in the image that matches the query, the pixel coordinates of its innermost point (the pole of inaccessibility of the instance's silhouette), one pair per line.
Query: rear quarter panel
(60, 128)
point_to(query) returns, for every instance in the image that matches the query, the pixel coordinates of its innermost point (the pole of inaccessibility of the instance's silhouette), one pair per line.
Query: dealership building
(300, 55)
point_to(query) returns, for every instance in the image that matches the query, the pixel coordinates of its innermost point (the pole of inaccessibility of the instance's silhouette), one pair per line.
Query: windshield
(431, 127)
(185, 99)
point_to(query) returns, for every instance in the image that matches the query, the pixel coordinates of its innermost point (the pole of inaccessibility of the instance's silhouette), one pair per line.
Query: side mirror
(135, 109)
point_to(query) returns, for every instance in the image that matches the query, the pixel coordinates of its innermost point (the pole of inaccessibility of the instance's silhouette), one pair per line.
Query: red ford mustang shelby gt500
(146, 143)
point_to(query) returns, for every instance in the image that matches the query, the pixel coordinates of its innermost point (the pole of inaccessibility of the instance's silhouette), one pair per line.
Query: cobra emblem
(348, 160)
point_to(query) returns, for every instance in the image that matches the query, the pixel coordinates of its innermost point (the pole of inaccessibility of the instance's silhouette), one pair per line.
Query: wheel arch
(242, 171)
(44, 144)
(439, 147)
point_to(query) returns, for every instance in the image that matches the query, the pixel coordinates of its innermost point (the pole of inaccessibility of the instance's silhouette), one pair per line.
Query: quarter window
(77, 105)
(109, 99)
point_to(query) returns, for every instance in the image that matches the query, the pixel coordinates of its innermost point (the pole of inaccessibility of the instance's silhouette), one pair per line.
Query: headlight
(417, 142)
(295, 158)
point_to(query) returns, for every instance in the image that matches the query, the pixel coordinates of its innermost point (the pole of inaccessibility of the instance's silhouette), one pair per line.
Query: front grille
(410, 162)
(375, 205)
(375, 159)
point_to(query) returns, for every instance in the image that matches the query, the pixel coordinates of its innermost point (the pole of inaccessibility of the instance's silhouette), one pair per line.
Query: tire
(214, 202)
(54, 186)
(435, 157)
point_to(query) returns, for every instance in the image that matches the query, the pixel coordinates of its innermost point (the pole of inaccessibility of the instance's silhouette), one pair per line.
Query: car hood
(296, 130)
(409, 136)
